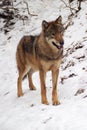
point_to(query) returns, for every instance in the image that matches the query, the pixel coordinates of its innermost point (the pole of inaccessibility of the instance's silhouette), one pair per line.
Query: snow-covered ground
(27, 112)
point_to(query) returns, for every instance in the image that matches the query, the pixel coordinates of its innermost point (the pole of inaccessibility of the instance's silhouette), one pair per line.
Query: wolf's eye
(61, 29)
(53, 35)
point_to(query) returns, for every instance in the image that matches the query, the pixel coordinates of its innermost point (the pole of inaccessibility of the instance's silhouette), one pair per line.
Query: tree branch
(29, 10)
(68, 6)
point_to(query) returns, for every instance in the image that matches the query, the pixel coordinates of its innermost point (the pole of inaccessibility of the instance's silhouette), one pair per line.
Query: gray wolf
(41, 53)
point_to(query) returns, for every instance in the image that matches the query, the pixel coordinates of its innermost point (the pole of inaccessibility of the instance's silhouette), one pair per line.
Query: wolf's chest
(48, 65)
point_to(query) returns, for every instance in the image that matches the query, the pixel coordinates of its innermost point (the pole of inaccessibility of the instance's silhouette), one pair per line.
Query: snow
(27, 112)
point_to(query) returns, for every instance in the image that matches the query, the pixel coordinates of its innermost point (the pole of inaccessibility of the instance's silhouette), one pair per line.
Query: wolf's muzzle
(62, 43)
(58, 46)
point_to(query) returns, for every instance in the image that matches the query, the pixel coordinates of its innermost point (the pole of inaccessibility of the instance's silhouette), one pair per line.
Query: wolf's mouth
(57, 46)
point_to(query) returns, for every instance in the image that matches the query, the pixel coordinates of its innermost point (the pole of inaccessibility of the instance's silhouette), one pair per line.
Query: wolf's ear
(59, 19)
(44, 24)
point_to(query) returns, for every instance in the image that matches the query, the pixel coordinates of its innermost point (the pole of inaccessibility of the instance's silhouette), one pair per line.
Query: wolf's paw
(45, 102)
(20, 94)
(56, 103)
(32, 87)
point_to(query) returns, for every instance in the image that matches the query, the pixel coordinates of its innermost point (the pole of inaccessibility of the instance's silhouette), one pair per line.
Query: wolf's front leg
(55, 73)
(43, 87)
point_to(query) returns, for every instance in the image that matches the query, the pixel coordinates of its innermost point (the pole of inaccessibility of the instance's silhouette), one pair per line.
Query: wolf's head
(53, 33)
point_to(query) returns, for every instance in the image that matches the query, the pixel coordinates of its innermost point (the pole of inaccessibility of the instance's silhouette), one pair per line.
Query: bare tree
(68, 5)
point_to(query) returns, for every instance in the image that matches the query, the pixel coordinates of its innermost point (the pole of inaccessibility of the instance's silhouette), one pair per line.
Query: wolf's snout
(62, 43)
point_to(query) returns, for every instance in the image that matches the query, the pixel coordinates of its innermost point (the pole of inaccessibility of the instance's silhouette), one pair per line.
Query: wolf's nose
(62, 43)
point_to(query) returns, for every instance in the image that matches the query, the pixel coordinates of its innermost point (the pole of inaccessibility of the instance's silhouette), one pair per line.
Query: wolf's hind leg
(31, 85)
(22, 73)
(19, 85)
